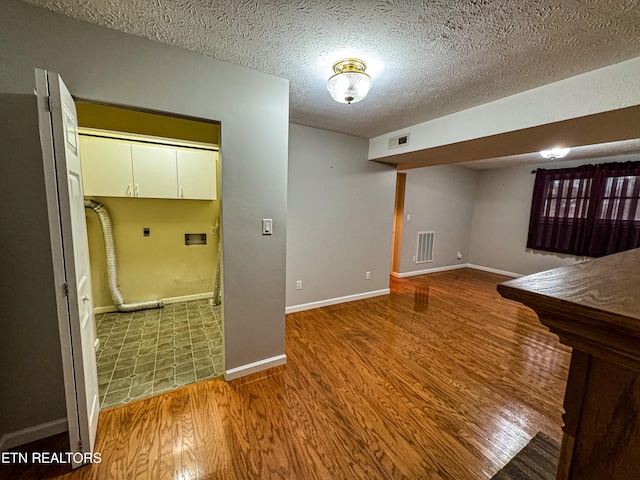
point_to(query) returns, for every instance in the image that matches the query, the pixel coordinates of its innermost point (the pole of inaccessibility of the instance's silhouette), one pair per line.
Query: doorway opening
(158, 177)
(398, 222)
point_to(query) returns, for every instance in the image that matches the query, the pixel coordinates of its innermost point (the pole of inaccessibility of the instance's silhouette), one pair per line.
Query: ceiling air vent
(399, 141)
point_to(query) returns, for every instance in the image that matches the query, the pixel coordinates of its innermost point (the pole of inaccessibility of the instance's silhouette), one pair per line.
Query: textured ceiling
(427, 58)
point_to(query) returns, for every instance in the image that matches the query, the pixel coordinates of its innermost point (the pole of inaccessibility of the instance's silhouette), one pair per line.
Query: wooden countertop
(593, 306)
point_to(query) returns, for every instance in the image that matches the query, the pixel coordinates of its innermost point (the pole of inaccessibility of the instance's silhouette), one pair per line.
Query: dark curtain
(616, 225)
(560, 220)
(591, 210)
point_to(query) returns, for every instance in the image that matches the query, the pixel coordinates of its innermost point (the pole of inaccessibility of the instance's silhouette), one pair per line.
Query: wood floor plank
(442, 379)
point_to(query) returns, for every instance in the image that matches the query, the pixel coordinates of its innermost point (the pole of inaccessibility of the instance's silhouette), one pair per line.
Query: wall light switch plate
(267, 226)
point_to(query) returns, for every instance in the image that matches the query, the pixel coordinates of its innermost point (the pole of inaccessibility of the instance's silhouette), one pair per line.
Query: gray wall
(439, 199)
(31, 385)
(501, 219)
(111, 67)
(340, 214)
(501, 223)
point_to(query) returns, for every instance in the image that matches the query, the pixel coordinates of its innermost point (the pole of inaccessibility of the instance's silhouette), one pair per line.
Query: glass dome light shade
(350, 84)
(555, 153)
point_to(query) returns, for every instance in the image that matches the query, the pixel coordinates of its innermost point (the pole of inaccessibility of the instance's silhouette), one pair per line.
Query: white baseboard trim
(188, 298)
(167, 301)
(31, 434)
(107, 309)
(456, 267)
(335, 301)
(494, 270)
(430, 270)
(255, 367)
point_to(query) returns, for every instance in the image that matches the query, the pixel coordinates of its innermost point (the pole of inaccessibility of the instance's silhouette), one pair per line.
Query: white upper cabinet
(106, 167)
(154, 171)
(119, 167)
(197, 174)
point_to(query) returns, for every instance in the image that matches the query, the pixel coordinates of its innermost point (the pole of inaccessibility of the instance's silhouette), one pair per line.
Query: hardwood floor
(442, 379)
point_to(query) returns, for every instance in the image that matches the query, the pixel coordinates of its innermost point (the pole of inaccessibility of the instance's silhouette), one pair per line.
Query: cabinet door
(197, 174)
(106, 167)
(154, 171)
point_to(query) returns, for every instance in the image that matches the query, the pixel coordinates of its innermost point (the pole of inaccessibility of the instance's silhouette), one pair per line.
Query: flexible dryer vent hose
(112, 273)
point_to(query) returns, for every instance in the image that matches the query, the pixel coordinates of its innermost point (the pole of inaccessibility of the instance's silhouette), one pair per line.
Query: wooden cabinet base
(594, 307)
(566, 452)
(607, 444)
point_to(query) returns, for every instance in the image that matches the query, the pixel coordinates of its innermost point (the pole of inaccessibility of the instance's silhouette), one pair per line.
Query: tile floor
(152, 351)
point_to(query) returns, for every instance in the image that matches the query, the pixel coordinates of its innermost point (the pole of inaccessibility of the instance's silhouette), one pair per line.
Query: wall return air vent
(399, 141)
(425, 247)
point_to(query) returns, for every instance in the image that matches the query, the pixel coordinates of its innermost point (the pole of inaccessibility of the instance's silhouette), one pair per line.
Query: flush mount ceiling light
(349, 84)
(555, 153)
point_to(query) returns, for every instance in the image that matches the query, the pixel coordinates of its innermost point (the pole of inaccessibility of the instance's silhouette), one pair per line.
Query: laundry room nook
(151, 184)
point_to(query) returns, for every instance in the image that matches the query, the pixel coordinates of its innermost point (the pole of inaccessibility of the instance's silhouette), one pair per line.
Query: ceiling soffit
(605, 127)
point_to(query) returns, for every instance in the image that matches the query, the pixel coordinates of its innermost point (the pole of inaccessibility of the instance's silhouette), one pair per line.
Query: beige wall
(106, 117)
(160, 265)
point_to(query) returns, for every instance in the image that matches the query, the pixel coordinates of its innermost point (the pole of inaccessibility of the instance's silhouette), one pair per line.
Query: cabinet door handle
(181, 193)
(129, 190)
(137, 190)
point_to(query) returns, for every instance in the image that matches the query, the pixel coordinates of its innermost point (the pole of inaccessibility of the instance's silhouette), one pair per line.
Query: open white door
(57, 115)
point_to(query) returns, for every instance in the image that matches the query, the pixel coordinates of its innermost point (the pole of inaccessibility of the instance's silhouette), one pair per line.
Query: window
(620, 199)
(591, 210)
(568, 197)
